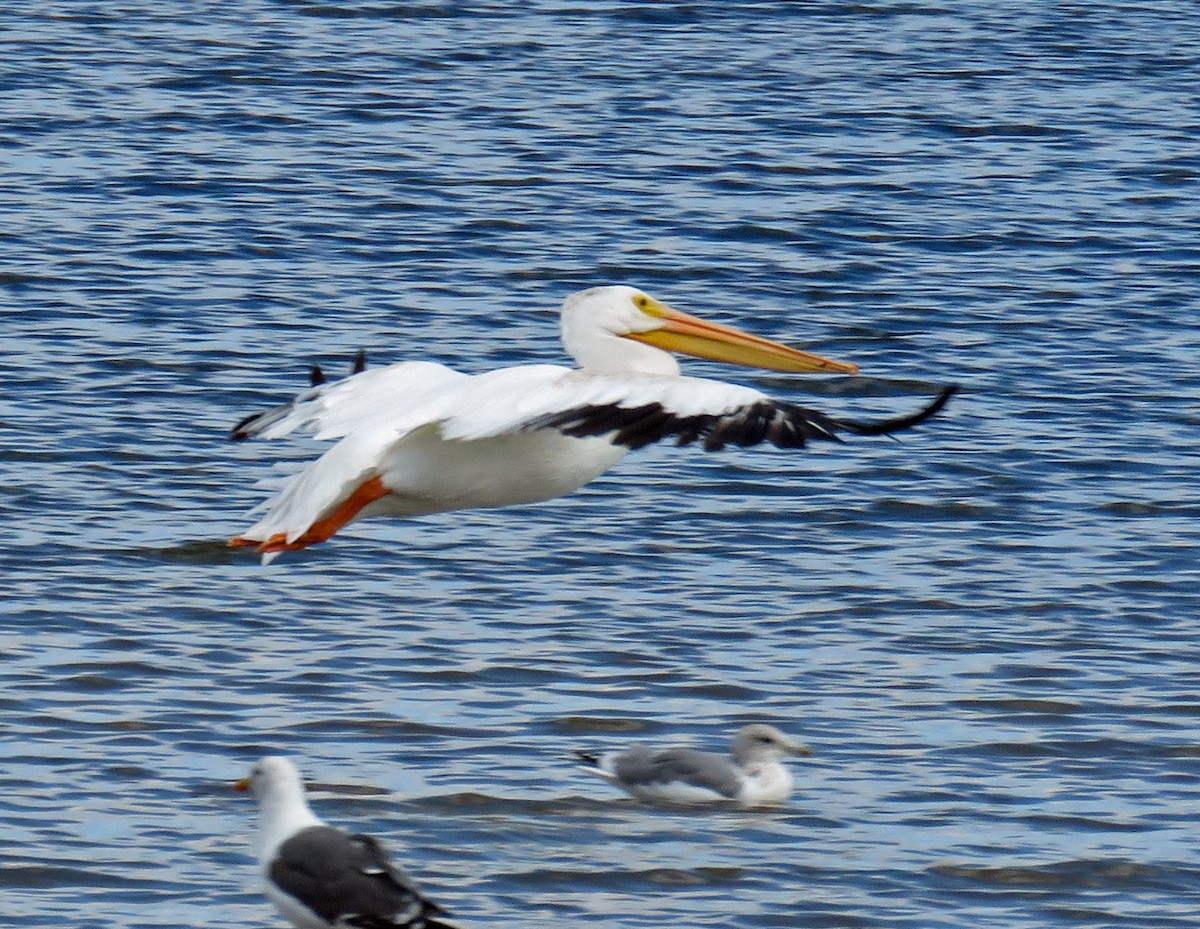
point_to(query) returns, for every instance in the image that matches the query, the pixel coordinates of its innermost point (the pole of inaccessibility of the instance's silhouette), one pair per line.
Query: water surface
(986, 630)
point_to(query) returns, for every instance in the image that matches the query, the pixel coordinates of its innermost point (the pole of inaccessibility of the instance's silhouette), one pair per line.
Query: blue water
(987, 630)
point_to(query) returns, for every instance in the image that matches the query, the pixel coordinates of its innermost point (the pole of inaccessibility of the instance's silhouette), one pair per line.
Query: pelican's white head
(595, 324)
(619, 329)
(760, 742)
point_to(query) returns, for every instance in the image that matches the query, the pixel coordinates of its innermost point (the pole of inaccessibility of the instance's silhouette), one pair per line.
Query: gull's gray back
(644, 767)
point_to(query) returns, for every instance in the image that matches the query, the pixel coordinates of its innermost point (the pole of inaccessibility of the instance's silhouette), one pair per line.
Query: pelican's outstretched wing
(367, 399)
(784, 425)
(635, 410)
(430, 439)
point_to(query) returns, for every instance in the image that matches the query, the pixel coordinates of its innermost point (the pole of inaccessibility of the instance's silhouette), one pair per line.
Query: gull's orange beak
(680, 332)
(242, 785)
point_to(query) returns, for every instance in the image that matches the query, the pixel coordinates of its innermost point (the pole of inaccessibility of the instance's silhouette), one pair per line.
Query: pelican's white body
(430, 476)
(463, 444)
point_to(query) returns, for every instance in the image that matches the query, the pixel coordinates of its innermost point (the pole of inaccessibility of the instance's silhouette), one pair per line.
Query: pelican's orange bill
(691, 335)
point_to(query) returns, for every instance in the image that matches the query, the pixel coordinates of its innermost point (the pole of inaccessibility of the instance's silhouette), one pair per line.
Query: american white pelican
(417, 437)
(320, 877)
(751, 774)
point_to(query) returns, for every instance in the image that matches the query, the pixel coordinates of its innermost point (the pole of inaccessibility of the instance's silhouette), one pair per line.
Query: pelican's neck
(283, 811)
(597, 350)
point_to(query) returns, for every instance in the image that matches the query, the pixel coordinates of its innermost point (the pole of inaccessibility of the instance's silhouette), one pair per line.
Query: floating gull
(323, 878)
(417, 437)
(751, 774)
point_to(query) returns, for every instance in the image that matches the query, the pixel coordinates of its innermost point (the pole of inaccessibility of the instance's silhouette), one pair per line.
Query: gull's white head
(274, 781)
(282, 807)
(620, 329)
(760, 742)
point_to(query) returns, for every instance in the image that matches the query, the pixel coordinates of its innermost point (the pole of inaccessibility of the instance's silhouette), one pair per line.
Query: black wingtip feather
(784, 425)
(360, 362)
(239, 432)
(316, 377)
(900, 423)
(647, 428)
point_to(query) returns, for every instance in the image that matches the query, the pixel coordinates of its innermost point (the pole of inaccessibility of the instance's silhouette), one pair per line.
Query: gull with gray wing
(752, 774)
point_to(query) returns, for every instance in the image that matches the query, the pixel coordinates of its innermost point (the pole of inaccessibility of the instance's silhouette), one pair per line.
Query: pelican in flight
(416, 437)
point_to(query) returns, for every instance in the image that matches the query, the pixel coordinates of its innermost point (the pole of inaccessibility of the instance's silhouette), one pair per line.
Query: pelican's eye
(648, 306)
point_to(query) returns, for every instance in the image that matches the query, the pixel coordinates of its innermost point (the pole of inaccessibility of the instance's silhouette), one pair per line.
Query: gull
(320, 877)
(750, 775)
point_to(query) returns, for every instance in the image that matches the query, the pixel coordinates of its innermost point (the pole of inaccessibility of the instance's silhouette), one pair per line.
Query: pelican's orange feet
(323, 529)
